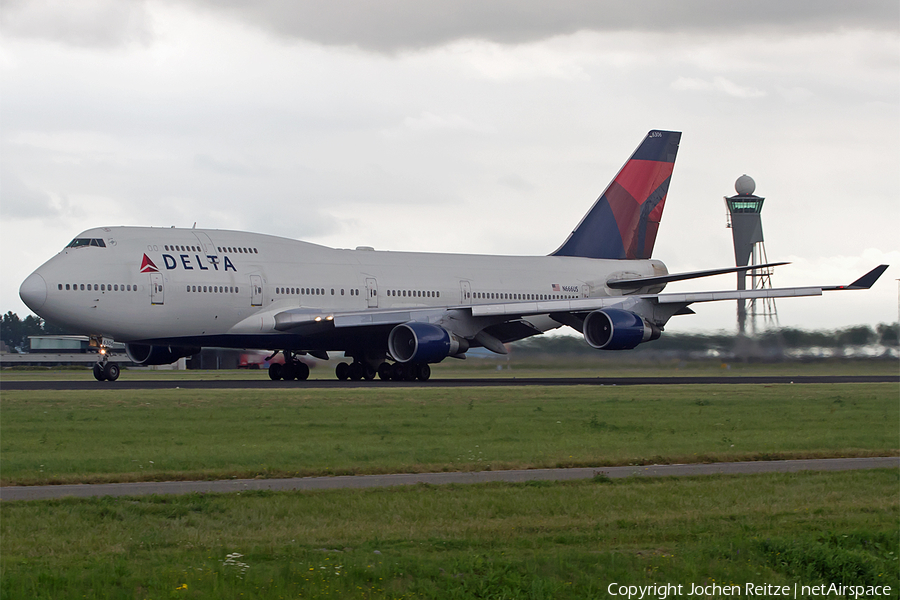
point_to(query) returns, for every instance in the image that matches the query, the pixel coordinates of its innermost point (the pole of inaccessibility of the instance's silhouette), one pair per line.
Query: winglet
(864, 282)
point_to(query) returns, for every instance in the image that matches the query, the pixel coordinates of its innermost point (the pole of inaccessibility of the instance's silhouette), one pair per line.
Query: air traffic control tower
(745, 222)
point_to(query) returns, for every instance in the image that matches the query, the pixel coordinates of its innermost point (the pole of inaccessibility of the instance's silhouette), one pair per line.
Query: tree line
(15, 331)
(784, 338)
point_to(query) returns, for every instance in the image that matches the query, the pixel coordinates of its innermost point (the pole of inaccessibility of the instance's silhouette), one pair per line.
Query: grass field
(537, 540)
(504, 541)
(106, 435)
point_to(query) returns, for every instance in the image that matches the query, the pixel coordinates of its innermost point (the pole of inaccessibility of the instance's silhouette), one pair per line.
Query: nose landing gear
(104, 370)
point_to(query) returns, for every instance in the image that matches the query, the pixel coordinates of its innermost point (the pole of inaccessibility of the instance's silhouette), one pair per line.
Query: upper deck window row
(231, 249)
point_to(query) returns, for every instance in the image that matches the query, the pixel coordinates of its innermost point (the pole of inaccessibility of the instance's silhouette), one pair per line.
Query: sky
(460, 126)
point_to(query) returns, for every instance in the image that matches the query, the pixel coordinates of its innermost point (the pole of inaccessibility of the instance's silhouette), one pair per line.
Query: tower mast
(745, 221)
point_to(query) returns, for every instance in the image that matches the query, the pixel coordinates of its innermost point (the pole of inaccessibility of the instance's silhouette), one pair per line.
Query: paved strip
(367, 481)
(90, 384)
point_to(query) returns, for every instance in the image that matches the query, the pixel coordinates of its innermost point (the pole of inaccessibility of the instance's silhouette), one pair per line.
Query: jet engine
(424, 343)
(616, 329)
(146, 355)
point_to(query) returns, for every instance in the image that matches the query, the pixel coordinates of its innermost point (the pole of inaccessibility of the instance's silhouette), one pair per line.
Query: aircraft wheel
(111, 371)
(398, 371)
(301, 371)
(356, 371)
(98, 372)
(385, 371)
(369, 372)
(424, 372)
(342, 370)
(274, 371)
(289, 371)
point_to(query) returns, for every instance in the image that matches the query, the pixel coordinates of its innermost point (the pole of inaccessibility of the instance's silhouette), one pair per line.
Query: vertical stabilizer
(623, 222)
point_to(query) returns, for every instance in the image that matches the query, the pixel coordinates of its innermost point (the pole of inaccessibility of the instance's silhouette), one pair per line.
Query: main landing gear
(362, 368)
(357, 370)
(293, 368)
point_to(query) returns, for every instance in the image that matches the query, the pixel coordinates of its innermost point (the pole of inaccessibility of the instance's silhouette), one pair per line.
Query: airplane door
(585, 291)
(465, 292)
(255, 290)
(157, 291)
(371, 292)
(205, 242)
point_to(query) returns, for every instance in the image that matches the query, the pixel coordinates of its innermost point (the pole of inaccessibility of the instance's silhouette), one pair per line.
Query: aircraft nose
(33, 292)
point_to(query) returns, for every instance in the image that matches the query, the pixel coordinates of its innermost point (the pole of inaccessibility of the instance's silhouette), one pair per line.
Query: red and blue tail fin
(624, 221)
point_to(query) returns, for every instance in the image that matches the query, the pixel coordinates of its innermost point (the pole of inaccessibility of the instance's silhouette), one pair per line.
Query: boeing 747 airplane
(166, 293)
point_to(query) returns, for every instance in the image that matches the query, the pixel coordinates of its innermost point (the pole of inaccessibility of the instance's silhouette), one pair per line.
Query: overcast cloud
(485, 127)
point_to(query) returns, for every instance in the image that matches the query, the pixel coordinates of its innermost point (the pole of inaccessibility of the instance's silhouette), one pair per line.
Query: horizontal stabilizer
(639, 282)
(864, 282)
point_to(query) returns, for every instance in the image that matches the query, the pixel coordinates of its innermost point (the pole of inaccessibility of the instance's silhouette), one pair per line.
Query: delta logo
(147, 265)
(187, 263)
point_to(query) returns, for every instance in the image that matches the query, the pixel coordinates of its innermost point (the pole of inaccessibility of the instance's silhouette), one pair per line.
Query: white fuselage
(157, 283)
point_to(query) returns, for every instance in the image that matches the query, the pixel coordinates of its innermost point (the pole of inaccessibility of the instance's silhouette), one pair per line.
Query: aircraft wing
(296, 320)
(682, 299)
(589, 304)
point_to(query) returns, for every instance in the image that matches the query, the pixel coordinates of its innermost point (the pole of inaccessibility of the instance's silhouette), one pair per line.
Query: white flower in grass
(231, 562)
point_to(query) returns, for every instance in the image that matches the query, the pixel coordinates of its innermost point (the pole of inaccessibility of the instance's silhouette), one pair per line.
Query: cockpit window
(80, 242)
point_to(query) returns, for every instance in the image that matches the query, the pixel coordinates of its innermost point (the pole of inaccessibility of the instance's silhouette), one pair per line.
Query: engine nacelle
(424, 343)
(616, 329)
(146, 355)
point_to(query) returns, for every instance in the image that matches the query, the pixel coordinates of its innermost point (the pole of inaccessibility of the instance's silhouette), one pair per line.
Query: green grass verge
(109, 435)
(537, 540)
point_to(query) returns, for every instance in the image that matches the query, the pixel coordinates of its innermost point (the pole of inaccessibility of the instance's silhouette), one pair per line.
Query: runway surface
(367, 481)
(262, 382)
